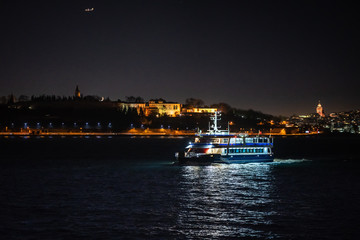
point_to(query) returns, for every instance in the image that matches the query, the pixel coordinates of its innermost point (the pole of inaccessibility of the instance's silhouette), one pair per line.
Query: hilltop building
(199, 110)
(126, 106)
(161, 108)
(157, 108)
(320, 110)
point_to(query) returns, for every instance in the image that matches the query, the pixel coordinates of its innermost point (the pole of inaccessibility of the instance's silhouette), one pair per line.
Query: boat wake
(289, 161)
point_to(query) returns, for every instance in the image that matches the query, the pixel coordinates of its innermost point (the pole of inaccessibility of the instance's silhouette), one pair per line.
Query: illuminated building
(156, 108)
(77, 92)
(161, 108)
(140, 107)
(320, 110)
(200, 110)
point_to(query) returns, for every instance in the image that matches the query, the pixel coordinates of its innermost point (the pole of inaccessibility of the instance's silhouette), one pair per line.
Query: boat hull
(246, 159)
(197, 160)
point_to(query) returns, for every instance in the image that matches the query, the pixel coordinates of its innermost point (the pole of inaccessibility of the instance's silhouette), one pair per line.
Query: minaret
(320, 110)
(77, 92)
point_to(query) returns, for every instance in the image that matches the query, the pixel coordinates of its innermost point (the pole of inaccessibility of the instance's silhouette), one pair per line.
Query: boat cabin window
(236, 140)
(204, 140)
(225, 140)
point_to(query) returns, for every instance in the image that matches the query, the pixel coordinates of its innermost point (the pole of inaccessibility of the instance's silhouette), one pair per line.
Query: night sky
(278, 57)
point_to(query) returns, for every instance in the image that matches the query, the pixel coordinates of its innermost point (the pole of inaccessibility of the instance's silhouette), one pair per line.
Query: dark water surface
(128, 188)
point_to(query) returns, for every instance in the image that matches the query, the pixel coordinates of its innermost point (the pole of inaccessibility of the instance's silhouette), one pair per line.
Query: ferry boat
(220, 146)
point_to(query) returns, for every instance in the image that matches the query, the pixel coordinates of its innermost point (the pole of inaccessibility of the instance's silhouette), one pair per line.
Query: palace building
(157, 108)
(161, 108)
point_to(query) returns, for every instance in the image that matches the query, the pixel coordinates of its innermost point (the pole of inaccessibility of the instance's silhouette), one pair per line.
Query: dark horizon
(277, 57)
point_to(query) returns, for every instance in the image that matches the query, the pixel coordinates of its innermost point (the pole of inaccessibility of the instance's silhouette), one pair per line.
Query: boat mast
(215, 122)
(213, 127)
(215, 119)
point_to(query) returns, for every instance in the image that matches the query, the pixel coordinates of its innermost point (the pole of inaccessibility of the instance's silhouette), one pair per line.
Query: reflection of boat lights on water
(225, 200)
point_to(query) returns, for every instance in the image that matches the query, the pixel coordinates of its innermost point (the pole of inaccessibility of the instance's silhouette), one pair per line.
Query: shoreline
(132, 132)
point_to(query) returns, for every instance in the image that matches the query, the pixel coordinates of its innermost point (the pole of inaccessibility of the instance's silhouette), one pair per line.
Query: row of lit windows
(256, 140)
(246, 150)
(247, 140)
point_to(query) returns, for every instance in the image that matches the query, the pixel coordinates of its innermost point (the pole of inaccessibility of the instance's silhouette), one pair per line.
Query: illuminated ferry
(220, 146)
